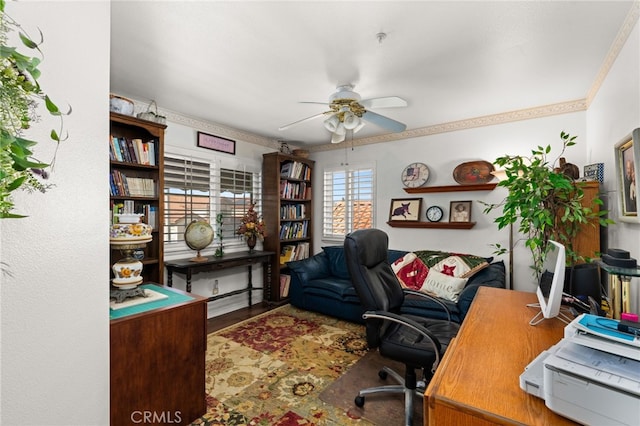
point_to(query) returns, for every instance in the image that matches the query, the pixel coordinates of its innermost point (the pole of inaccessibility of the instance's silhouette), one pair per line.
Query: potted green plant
(20, 95)
(545, 202)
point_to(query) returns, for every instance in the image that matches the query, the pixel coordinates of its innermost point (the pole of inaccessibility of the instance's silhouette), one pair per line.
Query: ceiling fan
(348, 112)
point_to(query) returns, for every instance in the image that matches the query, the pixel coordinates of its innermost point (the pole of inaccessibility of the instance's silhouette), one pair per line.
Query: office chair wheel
(382, 374)
(359, 401)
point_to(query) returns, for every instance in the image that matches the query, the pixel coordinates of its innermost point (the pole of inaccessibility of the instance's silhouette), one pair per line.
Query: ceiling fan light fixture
(337, 138)
(359, 126)
(351, 121)
(340, 130)
(332, 123)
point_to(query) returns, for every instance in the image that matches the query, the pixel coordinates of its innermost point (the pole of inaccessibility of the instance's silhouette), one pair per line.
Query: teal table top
(173, 299)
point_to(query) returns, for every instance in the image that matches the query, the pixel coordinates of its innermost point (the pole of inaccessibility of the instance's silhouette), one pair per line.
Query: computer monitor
(550, 285)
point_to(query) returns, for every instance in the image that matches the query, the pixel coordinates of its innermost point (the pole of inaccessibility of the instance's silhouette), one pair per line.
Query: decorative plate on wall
(473, 172)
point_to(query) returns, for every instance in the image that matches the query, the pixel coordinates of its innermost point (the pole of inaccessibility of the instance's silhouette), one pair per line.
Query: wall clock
(434, 214)
(415, 175)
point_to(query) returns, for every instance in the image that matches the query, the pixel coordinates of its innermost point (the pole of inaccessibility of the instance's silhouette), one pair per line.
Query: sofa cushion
(420, 306)
(311, 268)
(337, 262)
(443, 286)
(454, 264)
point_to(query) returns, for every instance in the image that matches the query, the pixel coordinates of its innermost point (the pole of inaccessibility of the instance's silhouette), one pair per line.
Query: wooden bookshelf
(148, 198)
(287, 212)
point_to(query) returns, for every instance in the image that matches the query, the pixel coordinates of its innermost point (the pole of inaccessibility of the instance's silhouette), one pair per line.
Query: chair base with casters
(409, 393)
(417, 342)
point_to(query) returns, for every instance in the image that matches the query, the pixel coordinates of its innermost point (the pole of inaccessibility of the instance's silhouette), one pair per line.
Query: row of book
(295, 170)
(292, 252)
(132, 151)
(125, 186)
(149, 212)
(293, 230)
(293, 211)
(295, 190)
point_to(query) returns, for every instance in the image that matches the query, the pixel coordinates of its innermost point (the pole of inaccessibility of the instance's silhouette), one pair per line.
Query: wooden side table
(230, 260)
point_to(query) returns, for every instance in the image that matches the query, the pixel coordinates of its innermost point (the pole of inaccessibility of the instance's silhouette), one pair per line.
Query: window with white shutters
(349, 201)
(200, 189)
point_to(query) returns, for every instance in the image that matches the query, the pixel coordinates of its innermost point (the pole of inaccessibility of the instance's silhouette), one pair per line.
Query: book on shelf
(295, 190)
(293, 211)
(287, 253)
(134, 151)
(295, 170)
(125, 186)
(285, 281)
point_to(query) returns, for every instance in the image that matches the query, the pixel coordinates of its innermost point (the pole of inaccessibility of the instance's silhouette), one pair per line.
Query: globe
(198, 235)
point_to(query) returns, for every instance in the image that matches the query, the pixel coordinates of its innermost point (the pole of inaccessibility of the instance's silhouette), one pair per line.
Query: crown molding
(486, 120)
(616, 47)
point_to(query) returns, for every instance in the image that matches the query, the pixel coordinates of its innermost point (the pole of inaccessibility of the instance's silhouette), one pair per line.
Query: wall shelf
(433, 225)
(451, 188)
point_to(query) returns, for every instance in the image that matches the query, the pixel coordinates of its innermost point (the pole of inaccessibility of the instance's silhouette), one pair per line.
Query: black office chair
(417, 342)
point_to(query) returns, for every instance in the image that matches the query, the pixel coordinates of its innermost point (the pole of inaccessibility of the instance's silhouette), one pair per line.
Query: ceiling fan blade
(382, 121)
(314, 103)
(387, 102)
(285, 127)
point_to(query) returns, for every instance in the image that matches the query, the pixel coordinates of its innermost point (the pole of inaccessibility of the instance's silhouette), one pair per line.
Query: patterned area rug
(271, 370)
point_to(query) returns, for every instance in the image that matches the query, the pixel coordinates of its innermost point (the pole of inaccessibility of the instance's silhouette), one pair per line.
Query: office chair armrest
(407, 322)
(426, 296)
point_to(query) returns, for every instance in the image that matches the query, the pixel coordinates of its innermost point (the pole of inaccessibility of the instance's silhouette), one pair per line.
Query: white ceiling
(248, 65)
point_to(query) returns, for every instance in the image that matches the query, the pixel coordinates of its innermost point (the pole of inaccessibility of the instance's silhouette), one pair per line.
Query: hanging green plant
(20, 95)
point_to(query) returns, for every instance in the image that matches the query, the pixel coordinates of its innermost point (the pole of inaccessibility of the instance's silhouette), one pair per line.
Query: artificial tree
(545, 202)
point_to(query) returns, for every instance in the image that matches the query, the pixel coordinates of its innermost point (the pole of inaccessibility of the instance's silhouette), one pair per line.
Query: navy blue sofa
(322, 284)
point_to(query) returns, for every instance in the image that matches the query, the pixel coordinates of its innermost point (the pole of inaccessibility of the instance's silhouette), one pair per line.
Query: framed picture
(405, 209)
(627, 158)
(460, 211)
(216, 143)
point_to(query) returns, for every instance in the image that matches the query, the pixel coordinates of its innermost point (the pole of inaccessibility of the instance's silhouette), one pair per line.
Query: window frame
(348, 169)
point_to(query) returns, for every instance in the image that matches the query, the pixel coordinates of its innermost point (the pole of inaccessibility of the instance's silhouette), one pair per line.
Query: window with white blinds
(199, 189)
(349, 201)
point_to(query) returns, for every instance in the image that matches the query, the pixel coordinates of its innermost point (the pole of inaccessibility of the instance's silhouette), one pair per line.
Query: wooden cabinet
(288, 215)
(137, 176)
(157, 361)
(587, 242)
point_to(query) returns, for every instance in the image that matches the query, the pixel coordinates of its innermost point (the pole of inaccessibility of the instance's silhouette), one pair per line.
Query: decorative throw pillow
(453, 264)
(444, 286)
(410, 270)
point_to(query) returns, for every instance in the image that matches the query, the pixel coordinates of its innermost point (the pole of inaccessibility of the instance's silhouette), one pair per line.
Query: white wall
(442, 153)
(54, 284)
(613, 114)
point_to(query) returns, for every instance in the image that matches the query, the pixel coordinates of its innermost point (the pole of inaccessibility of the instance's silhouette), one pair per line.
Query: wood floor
(222, 321)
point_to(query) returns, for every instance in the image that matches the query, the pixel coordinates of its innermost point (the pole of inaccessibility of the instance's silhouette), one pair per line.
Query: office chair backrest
(371, 275)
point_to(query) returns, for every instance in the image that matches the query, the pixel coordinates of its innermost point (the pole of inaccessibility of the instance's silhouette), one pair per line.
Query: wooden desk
(157, 364)
(230, 260)
(477, 382)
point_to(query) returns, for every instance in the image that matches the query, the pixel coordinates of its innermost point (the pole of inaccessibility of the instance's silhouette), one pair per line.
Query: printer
(592, 375)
